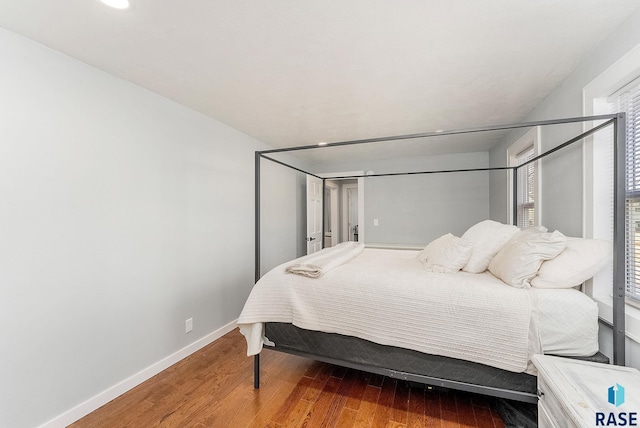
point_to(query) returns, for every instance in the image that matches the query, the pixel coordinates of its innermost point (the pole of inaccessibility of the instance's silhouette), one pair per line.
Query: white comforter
(385, 296)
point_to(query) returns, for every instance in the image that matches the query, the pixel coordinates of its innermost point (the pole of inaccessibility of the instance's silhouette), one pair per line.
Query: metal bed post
(256, 371)
(619, 235)
(256, 358)
(514, 197)
(257, 217)
(324, 207)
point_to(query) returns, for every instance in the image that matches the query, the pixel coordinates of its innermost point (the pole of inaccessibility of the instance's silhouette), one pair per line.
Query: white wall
(567, 101)
(122, 214)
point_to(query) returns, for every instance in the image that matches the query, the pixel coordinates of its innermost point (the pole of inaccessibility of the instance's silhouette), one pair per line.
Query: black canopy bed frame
(435, 370)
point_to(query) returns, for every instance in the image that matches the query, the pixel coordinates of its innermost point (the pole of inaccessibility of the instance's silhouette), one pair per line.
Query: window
(526, 189)
(602, 96)
(628, 100)
(528, 179)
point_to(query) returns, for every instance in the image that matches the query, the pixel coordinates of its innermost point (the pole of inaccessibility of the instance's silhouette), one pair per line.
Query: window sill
(632, 316)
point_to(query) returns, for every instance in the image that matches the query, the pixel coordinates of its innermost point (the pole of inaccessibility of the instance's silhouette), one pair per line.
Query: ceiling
(296, 72)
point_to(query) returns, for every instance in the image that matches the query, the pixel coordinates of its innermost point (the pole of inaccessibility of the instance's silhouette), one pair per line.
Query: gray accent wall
(416, 209)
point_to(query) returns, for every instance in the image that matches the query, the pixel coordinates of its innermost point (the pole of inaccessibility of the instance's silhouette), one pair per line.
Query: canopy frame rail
(617, 120)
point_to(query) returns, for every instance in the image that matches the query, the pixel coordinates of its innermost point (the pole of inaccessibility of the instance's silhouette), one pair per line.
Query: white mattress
(386, 296)
(568, 322)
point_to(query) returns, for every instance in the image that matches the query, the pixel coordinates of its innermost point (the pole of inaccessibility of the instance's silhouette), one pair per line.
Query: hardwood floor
(214, 388)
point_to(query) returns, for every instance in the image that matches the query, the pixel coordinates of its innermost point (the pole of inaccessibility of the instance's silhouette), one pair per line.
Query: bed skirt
(404, 363)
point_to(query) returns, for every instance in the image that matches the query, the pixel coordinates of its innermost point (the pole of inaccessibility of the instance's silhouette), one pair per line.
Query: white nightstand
(574, 393)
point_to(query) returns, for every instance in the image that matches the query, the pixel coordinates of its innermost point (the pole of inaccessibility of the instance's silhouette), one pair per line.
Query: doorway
(331, 214)
(314, 214)
(350, 218)
(343, 213)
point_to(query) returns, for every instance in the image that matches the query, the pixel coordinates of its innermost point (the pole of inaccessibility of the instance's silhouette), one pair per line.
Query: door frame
(361, 224)
(334, 214)
(315, 214)
(346, 233)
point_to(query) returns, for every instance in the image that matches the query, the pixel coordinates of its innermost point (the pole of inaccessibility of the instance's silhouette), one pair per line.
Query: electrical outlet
(375, 222)
(188, 325)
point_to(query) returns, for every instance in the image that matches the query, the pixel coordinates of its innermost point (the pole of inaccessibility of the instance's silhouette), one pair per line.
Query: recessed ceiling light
(322, 143)
(117, 4)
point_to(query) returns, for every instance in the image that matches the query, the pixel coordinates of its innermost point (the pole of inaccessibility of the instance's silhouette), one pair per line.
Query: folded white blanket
(316, 264)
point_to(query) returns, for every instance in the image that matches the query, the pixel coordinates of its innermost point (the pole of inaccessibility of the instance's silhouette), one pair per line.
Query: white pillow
(487, 238)
(519, 260)
(446, 254)
(581, 260)
(535, 229)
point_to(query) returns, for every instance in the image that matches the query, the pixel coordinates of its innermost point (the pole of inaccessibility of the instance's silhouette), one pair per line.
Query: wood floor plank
(314, 369)
(321, 406)
(357, 391)
(339, 400)
(449, 420)
(367, 407)
(268, 399)
(432, 410)
(214, 388)
(316, 386)
(385, 403)
(448, 402)
(218, 409)
(293, 400)
(401, 403)
(298, 414)
(466, 415)
(339, 372)
(347, 418)
(484, 419)
(415, 411)
(376, 380)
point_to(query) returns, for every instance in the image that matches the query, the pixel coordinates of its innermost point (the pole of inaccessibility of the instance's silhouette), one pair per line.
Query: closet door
(314, 214)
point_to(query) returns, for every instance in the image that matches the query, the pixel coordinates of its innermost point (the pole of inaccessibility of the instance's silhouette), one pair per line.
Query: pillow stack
(520, 258)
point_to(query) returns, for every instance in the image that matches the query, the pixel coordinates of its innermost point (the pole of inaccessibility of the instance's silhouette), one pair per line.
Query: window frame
(631, 93)
(531, 139)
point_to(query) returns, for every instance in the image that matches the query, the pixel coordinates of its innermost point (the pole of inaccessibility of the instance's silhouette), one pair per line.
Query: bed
(381, 311)
(392, 299)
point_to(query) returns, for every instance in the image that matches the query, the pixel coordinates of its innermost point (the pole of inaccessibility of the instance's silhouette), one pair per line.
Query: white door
(353, 214)
(314, 214)
(331, 219)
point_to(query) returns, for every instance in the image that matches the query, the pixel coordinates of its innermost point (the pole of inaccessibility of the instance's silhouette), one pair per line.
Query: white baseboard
(104, 397)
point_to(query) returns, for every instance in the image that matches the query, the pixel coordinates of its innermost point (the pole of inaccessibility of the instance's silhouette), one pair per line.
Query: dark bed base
(401, 363)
